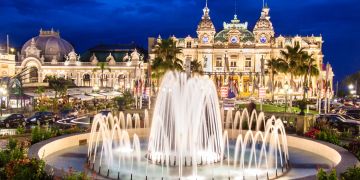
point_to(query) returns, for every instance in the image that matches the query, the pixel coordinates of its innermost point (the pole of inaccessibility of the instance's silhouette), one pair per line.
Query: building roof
(223, 36)
(118, 51)
(50, 44)
(236, 26)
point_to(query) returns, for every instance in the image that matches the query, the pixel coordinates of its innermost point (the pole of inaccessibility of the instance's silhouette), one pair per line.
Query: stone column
(40, 79)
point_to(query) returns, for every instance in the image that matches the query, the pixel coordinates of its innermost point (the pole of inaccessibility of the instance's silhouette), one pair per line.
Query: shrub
(351, 173)
(42, 108)
(12, 153)
(26, 169)
(354, 147)
(71, 130)
(72, 175)
(38, 134)
(312, 133)
(125, 101)
(328, 135)
(322, 175)
(20, 130)
(346, 134)
(12, 144)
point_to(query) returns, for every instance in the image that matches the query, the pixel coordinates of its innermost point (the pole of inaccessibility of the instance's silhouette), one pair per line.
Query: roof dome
(206, 23)
(263, 24)
(223, 35)
(50, 45)
(235, 27)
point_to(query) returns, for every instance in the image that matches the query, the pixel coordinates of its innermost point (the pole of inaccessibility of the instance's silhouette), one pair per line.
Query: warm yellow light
(351, 86)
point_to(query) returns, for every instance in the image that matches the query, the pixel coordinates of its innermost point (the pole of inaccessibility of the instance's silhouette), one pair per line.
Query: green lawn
(276, 108)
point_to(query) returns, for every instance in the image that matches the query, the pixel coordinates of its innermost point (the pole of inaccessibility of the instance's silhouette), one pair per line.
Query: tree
(102, 66)
(166, 59)
(196, 67)
(40, 91)
(275, 66)
(308, 68)
(59, 85)
(292, 56)
(168, 51)
(125, 101)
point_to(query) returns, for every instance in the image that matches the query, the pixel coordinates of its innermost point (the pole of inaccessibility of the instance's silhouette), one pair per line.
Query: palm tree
(102, 66)
(40, 91)
(292, 56)
(275, 66)
(59, 85)
(307, 68)
(167, 50)
(166, 58)
(196, 67)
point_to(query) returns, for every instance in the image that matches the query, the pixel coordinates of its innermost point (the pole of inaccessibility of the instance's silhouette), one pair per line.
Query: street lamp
(96, 88)
(287, 90)
(116, 87)
(3, 93)
(351, 87)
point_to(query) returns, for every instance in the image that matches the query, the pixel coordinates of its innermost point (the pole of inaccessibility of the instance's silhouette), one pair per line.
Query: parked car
(339, 122)
(42, 118)
(69, 113)
(12, 120)
(105, 112)
(355, 113)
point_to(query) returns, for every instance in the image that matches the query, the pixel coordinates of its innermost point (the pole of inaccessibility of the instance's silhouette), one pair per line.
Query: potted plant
(302, 106)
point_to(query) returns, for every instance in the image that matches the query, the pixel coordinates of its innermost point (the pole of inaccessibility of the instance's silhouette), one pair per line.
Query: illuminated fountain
(187, 139)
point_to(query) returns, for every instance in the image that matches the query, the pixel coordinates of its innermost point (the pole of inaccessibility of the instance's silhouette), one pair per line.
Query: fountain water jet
(187, 138)
(186, 128)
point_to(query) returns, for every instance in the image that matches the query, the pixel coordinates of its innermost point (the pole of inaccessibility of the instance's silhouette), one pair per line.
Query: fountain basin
(306, 155)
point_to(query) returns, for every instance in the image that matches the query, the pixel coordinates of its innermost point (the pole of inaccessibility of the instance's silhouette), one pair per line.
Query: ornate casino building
(236, 56)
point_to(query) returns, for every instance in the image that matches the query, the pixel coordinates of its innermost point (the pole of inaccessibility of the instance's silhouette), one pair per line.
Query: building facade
(236, 57)
(50, 55)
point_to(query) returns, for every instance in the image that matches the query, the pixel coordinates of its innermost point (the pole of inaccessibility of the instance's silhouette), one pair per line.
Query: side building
(50, 55)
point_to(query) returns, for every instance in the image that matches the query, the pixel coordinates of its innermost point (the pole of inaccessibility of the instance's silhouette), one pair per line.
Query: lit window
(281, 44)
(188, 44)
(219, 62)
(248, 62)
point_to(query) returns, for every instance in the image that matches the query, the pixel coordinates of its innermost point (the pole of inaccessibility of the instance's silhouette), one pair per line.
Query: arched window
(86, 79)
(103, 80)
(34, 75)
(122, 81)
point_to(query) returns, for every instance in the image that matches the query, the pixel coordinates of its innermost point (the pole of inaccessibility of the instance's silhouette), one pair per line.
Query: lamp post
(96, 88)
(116, 88)
(3, 93)
(351, 89)
(287, 91)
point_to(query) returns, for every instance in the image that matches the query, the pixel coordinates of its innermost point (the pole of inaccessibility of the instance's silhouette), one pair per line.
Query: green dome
(223, 35)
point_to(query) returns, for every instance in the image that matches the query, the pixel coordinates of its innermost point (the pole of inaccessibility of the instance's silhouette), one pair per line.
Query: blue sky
(86, 23)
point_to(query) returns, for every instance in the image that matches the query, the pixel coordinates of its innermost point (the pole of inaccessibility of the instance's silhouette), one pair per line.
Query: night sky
(86, 23)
